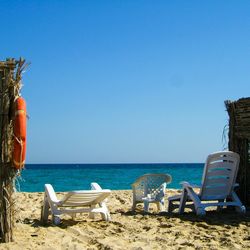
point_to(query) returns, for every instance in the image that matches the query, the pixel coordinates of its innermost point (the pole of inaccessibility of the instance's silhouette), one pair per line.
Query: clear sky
(127, 81)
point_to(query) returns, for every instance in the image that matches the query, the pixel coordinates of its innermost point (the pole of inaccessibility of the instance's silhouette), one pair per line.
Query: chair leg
(200, 211)
(91, 214)
(146, 206)
(56, 219)
(133, 206)
(171, 206)
(183, 201)
(219, 208)
(160, 205)
(199, 208)
(103, 210)
(239, 207)
(106, 216)
(45, 211)
(192, 207)
(134, 201)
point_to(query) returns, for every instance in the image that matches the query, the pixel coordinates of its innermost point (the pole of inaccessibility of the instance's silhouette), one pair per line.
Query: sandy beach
(128, 230)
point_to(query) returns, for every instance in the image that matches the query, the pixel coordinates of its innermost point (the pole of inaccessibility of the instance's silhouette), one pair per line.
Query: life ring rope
(19, 163)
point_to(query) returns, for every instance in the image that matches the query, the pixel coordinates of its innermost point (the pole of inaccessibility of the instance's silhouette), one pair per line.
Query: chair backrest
(153, 184)
(219, 175)
(84, 198)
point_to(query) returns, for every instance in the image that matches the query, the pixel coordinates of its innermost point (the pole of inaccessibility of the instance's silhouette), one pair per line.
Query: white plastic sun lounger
(150, 188)
(217, 188)
(92, 201)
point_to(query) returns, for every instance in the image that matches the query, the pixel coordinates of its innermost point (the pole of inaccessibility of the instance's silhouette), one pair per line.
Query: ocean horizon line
(118, 163)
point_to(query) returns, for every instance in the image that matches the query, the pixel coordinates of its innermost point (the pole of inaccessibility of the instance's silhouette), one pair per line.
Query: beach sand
(128, 230)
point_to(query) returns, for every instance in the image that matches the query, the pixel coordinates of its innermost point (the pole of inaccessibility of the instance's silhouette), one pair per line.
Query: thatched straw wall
(239, 141)
(10, 86)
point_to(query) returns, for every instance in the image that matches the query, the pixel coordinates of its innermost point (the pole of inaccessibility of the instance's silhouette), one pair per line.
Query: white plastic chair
(217, 188)
(92, 201)
(150, 188)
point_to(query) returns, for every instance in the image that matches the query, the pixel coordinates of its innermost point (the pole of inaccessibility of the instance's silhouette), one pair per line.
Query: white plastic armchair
(150, 188)
(91, 201)
(217, 188)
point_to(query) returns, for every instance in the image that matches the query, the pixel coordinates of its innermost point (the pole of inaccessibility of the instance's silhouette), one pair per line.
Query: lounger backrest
(154, 184)
(219, 175)
(85, 198)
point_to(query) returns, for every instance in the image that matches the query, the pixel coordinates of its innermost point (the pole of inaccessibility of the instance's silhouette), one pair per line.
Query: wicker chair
(150, 188)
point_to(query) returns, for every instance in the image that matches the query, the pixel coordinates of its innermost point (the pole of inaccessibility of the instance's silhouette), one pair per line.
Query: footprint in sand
(165, 225)
(120, 199)
(202, 225)
(147, 228)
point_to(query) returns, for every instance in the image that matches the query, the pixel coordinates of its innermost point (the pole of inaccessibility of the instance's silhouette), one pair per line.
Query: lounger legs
(189, 195)
(45, 213)
(92, 214)
(170, 206)
(105, 215)
(219, 208)
(160, 205)
(239, 207)
(45, 210)
(146, 206)
(103, 210)
(171, 203)
(183, 201)
(56, 220)
(133, 206)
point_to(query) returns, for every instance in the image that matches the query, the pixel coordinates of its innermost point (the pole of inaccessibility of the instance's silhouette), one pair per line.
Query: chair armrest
(95, 186)
(50, 192)
(174, 197)
(133, 185)
(187, 184)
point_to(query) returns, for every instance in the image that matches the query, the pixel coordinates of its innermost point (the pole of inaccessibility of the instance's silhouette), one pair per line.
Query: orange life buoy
(19, 150)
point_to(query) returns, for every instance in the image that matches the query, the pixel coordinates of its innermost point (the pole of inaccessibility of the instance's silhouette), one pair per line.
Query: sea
(66, 177)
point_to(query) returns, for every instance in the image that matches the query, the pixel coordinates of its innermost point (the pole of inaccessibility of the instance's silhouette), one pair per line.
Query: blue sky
(128, 81)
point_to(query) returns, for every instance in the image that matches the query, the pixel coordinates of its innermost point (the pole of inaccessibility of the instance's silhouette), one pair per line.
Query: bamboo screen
(10, 86)
(239, 141)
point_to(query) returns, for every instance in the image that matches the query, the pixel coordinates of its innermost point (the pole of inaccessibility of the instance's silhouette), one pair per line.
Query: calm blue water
(65, 177)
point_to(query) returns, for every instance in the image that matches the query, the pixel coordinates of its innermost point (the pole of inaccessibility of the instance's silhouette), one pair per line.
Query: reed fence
(10, 87)
(239, 141)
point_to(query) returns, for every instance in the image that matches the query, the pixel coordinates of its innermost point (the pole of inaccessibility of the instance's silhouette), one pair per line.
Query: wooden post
(10, 76)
